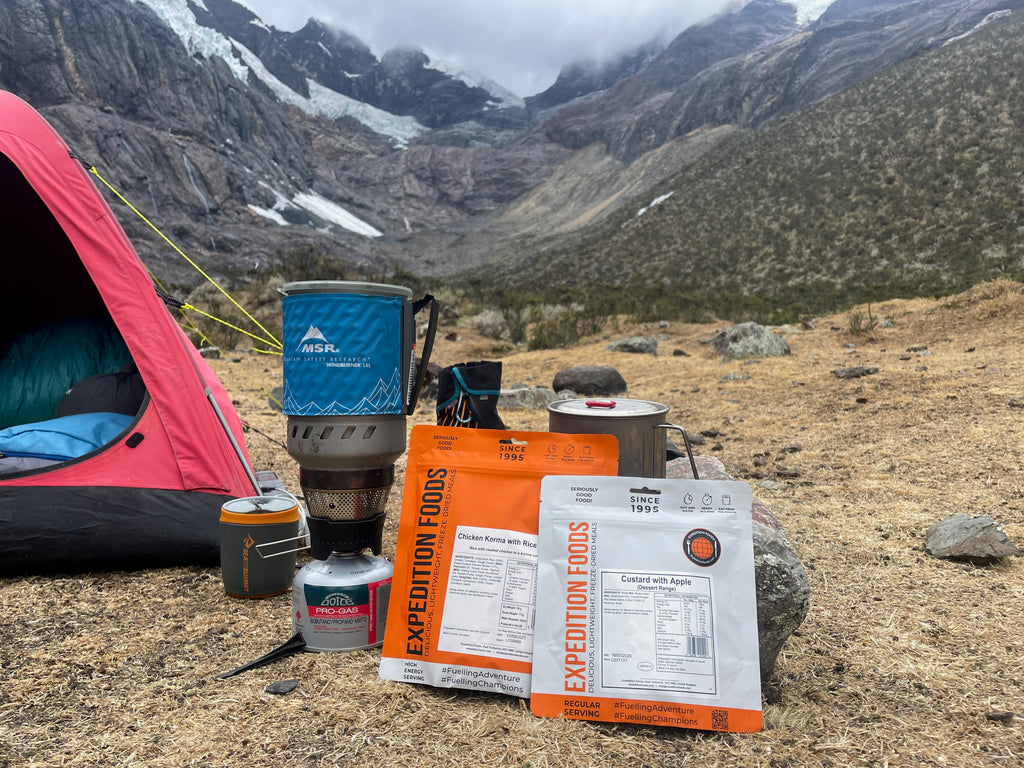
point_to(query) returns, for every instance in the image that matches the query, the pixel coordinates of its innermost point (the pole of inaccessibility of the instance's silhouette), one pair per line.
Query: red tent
(152, 495)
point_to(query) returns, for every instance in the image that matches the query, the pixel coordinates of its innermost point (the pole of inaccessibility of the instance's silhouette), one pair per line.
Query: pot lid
(259, 505)
(344, 286)
(608, 407)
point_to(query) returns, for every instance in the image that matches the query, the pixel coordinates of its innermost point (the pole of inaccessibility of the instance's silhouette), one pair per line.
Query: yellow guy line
(274, 343)
(270, 339)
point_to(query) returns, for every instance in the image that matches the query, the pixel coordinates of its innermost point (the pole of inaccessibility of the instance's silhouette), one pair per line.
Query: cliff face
(200, 150)
(183, 137)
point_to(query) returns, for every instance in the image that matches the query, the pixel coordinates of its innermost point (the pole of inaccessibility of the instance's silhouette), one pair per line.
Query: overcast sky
(522, 44)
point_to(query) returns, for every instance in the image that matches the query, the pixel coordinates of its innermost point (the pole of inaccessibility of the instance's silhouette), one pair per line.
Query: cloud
(522, 44)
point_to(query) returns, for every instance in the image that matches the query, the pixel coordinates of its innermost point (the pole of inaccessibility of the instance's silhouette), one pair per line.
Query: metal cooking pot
(639, 426)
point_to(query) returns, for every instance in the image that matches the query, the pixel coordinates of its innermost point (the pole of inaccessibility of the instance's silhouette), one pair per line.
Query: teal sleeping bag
(40, 365)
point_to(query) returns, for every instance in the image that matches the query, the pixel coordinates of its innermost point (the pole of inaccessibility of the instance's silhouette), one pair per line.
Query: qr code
(720, 719)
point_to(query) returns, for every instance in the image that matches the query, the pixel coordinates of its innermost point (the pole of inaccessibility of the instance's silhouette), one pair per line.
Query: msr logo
(314, 341)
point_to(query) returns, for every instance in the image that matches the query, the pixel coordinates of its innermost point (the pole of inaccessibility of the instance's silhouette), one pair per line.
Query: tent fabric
(130, 527)
(64, 247)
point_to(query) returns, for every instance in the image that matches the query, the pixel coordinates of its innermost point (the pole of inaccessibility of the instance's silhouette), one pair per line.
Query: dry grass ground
(903, 660)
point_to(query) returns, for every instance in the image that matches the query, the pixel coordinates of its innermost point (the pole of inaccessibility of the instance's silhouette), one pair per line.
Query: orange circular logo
(702, 547)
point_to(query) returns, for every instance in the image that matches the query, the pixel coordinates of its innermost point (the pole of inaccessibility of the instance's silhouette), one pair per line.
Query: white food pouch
(646, 609)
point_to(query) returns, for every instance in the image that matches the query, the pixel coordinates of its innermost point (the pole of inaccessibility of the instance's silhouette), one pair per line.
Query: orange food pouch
(464, 590)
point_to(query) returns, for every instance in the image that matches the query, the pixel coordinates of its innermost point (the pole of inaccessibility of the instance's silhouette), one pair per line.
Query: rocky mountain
(247, 144)
(907, 184)
(757, 64)
(584, 78)
(403, 82)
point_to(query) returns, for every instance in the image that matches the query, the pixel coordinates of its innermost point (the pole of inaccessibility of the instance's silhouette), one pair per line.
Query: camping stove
(346, 470)
(350, 380)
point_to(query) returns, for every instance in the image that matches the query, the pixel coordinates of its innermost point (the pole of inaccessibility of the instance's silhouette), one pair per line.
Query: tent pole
(234, 442)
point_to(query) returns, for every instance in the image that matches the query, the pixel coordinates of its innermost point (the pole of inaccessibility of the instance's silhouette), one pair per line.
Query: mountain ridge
(896, 190)
(241, 177)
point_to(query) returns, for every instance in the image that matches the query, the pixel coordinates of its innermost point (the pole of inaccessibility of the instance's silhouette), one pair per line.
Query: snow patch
(207, 42)
(325, 209)
(504, 97)
(196, 38)
(983, 23)
(656, 201)
(334, 105)
(257, 22)
(319, 206)
(810, 10)
(268, 213)
(327, 103)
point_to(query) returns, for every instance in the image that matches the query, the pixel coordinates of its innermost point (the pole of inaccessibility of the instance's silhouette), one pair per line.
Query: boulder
(854, 372)
(276, 398)
(590, 380)
(638, 345)
(748, 340)
(526, 397)
(783, 591)
(975, 539)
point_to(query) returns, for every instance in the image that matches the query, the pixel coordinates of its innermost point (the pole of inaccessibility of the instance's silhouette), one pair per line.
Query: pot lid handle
(600, 403)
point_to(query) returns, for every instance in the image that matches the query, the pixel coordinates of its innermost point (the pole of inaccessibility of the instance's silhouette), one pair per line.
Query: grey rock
(533, 398)
(276, 399)
(590, 380)
(783, 591)
(976, 539)
(210, 353)
(282, 686)
(638, 345)
(428, 395)
(748, 340)
(854, 372)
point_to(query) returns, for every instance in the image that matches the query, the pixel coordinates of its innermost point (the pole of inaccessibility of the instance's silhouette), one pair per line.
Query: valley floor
(903, 659)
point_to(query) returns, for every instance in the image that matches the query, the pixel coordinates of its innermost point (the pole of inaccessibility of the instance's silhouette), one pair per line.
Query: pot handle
(302, 539)
(686, 442)
(428, 346)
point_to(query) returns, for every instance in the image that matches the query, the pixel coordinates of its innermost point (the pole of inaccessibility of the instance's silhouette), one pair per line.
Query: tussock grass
(903, 660)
